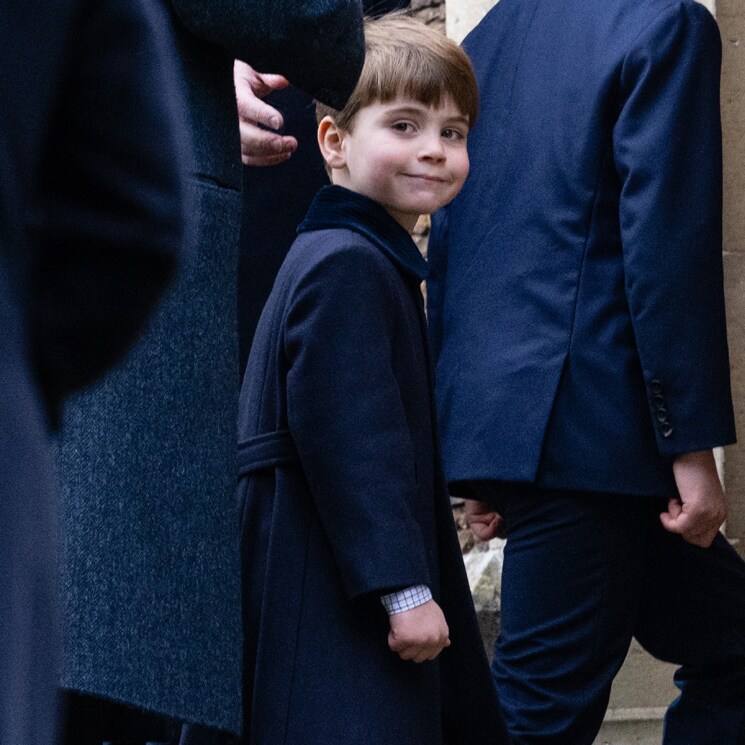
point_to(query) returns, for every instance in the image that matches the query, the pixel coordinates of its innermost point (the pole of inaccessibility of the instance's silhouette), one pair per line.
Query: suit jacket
(151, 568)
(577, 302)
(91, 219)
(343, 499)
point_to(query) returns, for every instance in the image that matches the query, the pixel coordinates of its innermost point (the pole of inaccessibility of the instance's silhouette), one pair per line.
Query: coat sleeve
(347, 418)
(108, 212)
(317, 44)
(667, 149)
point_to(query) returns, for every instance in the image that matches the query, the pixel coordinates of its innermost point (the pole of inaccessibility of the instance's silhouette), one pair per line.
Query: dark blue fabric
(583, 572)
(92, 162)
(28, 543)
(266, 451)
(576, 294)
(340, 361)
(317, 45)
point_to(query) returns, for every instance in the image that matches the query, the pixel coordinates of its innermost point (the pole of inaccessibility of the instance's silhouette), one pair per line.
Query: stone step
(632, 727)
(641, 693)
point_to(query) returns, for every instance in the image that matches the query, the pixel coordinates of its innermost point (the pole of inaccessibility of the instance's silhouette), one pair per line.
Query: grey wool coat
(147, 459)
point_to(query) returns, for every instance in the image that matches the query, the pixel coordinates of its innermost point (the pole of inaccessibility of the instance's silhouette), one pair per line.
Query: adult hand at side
(702, 508)
(419, 634)
(484, 521)
(260, 147)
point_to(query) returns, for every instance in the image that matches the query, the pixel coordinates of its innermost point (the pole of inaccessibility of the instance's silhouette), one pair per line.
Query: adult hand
(260, 147)
(701, 509)
(419, 634)
(484, 521)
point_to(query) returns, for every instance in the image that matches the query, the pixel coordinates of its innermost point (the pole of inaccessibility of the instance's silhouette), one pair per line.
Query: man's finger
(691, 531)
(261, 161)
(268, 82)
(674, 507)
(407, 653)
(702, 536)
(255, 141)
(678, 523)
(253, 110)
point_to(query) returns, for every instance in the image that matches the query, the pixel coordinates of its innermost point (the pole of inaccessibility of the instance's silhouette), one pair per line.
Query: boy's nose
(432, 148)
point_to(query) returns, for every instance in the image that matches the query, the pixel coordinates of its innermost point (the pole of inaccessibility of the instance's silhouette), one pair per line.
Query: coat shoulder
(337, 256)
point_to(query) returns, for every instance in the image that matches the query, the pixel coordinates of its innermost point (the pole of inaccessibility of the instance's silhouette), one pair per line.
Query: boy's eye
(453, 134)
(403, 126)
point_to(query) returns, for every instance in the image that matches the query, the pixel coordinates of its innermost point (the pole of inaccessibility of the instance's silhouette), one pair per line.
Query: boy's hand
(260, 147)
(701, 509)
(485, 523)
(419, 634)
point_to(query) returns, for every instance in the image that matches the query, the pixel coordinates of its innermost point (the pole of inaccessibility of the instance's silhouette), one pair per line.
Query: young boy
(359, 623)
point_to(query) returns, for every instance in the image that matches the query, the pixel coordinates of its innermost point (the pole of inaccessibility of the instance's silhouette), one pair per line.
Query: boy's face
(408, 157)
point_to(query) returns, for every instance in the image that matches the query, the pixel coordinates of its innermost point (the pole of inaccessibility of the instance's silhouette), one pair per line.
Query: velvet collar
(337, 207)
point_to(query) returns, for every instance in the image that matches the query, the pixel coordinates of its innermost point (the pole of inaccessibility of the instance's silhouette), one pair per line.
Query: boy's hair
(404, 57)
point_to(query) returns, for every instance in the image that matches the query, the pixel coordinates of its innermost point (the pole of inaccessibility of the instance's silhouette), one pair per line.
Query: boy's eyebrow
(413, 109)
(462, 118)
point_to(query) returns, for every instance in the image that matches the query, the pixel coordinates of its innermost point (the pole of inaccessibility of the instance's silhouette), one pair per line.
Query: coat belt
(267, 450)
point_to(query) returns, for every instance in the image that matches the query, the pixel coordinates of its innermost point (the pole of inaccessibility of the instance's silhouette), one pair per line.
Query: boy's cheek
(465, 167)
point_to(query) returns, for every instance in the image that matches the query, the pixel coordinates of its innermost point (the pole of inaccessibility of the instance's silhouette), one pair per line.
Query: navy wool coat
(342, 500)
(92, 173)
(576, 299)
(151, 564)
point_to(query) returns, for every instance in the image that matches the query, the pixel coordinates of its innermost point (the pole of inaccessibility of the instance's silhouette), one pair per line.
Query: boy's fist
(419, 634)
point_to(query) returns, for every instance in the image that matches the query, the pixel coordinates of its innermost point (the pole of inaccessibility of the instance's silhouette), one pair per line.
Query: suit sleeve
(109, 211)
(317, 44)
(667, 148)
(347, 419)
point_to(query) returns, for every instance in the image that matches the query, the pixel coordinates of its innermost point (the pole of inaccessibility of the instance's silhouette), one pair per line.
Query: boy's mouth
(427, 177)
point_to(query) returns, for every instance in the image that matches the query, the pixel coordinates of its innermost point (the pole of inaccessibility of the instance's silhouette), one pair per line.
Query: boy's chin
(430, 206)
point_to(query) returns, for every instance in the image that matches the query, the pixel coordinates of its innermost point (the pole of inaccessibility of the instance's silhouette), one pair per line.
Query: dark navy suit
(577, 311)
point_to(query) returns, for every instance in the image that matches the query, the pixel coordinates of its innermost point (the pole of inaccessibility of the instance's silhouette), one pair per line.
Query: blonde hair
(404, 57)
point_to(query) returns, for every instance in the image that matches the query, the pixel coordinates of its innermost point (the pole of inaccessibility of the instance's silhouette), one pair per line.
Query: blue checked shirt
(403, 600)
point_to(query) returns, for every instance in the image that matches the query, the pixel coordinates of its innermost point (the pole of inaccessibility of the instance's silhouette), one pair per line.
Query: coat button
(655, 386)
(661, 415)
(659, 401)
(666, 431)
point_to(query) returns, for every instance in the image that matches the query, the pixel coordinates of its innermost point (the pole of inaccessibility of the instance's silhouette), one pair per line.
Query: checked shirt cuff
(403, 600)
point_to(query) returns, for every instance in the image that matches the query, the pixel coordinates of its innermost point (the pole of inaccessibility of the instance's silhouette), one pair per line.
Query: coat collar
(337, 207)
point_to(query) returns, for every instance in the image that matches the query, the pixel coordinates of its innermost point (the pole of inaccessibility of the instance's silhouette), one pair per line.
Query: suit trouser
(583, 574)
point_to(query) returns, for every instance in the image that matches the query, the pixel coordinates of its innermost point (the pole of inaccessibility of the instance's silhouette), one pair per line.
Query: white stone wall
(731, 18)
(463, 15)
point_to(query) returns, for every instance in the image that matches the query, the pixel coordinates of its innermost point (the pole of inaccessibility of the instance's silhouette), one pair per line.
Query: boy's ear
(330, 139)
